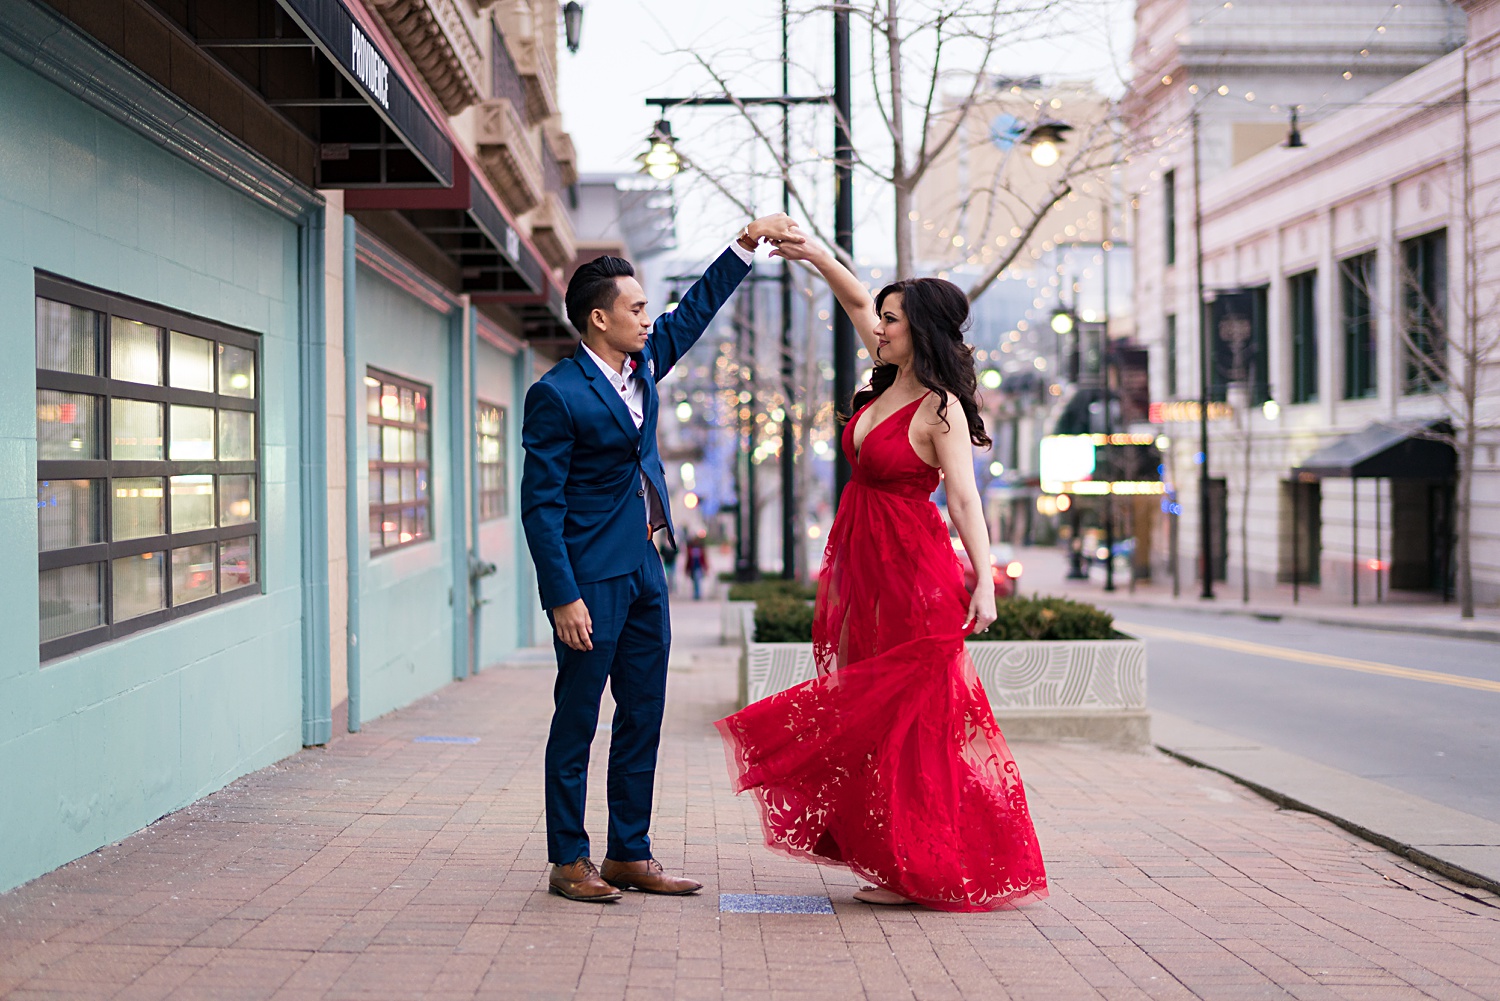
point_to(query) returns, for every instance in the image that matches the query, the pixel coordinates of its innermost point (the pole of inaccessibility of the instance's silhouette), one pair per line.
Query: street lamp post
(843, 228)
(1205, 369)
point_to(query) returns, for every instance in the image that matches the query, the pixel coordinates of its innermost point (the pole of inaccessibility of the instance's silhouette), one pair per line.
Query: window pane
(72, 600)
(390, 525)
(192, 433)
(421, 437)
(420, 413)
(408, 446)
(236, 500)
(408, 485)
(139, 586)
(390, 403)
(392, 489)
(135, 352)
(236, 435)
(421, 493)
(236, 371)
(192, 503)
(67, 338)
(67, 425)
(373, 446)
(408, 407)
(375, 536)
(372, 397)
(137, 510)
(390, 450)
(136, 430)
(375, 497)
(421, 530)
(237, 564)
(489, 449)
(68, 513)
(192, 573)
(408, 524)
(192, 362)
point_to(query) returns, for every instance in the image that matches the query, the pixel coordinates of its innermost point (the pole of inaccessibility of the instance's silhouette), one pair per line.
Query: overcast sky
(634, 49)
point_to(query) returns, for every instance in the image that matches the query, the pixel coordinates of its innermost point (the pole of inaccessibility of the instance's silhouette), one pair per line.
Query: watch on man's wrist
(746, 240)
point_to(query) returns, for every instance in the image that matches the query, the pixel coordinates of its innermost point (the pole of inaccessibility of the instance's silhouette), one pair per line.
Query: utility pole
(1205, 371)
(788, 387)
(843, 228)
(1109, 421)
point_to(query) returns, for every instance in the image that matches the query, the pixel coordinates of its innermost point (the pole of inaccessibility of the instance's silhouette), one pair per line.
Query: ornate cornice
(436, 36)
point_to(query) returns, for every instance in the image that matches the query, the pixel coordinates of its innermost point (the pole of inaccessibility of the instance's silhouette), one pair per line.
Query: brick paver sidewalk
(383, 868)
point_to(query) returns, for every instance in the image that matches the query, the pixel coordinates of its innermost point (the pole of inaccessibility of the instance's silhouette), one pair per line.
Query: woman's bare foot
(880, 895)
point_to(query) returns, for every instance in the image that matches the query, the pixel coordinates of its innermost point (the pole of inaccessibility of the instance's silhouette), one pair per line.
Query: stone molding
(505, 153)
(552, 231)
(436, 35)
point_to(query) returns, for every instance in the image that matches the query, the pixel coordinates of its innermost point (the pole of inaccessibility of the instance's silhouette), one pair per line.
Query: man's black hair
(593, 286)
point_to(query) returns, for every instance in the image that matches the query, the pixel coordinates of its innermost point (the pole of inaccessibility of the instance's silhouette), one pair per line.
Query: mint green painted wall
(499, 628)
(405, 618)
(97, 745)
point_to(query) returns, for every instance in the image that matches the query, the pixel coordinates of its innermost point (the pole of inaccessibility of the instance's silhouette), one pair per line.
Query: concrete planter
(732, 620)
(1039, 690)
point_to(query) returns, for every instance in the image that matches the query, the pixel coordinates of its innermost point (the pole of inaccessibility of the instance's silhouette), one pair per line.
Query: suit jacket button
(640, 493)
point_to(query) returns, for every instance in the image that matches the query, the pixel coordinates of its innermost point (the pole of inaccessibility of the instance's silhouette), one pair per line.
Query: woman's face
(892, 334)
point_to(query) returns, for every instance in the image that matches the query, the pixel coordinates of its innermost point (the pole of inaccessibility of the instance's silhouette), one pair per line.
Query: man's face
(625, 324)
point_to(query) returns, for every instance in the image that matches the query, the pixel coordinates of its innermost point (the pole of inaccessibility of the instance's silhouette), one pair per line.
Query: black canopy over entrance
(1420, 468)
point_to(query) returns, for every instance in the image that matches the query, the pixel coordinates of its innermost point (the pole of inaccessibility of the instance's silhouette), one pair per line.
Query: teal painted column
(458, 450)
(476, 597)
(526, 594)
(312, 484)
(354, 425)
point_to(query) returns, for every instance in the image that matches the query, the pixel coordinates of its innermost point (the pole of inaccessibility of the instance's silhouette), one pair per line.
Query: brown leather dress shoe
(646, 876)
(580, 881)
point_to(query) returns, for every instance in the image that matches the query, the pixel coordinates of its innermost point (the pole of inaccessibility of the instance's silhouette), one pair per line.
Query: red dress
(890, 762)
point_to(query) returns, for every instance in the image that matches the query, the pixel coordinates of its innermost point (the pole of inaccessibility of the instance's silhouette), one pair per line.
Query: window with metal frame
(1169, 204)
(397, 413)
(1357, 278)
(489, 433)
(1302, 290)
(1424, 287)
(148, 465)
(1171, 362)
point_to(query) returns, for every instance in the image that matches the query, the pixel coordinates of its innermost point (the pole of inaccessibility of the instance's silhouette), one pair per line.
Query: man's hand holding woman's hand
(778, 230)
(574, 625)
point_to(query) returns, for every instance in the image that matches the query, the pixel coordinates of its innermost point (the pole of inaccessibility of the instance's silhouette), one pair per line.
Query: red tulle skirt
(890, 761)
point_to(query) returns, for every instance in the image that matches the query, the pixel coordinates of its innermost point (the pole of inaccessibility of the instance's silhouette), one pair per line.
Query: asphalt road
(1395, 708)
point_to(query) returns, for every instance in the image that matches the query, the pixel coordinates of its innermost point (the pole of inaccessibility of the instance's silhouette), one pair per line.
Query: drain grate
(772, 903)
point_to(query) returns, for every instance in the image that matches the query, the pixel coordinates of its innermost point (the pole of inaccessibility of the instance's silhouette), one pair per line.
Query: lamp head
(661, 159)
(1062, 322)
(573, 23)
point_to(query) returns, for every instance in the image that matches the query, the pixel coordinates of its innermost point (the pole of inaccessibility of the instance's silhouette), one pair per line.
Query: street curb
(1473, 833)
(1483, 634)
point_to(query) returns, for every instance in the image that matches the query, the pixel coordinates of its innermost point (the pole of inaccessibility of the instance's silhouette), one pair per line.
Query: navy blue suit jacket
(582, 504)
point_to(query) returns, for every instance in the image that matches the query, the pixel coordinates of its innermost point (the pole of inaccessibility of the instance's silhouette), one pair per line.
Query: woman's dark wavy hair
(937, 313)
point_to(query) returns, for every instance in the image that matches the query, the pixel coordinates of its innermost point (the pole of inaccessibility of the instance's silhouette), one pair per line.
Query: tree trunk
(906, 249)
(1465, 505)
(902, 184)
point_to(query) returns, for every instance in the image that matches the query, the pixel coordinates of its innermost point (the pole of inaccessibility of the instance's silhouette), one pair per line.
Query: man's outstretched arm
(675, 332)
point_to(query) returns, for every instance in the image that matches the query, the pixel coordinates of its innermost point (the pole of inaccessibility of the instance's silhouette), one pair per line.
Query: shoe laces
(589, 868)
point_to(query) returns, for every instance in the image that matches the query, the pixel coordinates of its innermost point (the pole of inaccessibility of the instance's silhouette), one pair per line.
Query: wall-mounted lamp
(573, 23)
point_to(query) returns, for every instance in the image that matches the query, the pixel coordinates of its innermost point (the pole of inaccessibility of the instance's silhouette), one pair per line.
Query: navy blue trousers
(632, 637)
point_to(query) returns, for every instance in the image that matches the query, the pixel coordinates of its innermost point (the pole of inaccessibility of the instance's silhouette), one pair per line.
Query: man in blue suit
(593, 495)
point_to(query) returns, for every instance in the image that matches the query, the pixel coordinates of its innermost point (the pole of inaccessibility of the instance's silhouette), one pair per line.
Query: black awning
(1385, 451)
(317, 67)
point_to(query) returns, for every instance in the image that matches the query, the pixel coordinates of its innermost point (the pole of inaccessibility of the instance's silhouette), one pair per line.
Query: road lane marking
(1305, 657)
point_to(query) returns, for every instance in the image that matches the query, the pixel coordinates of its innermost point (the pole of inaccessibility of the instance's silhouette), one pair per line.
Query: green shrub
(1042, 618)
(782, 618)
(769, 587)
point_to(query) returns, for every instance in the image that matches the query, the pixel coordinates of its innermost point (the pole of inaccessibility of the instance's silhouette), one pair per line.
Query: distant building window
(489, 430)
(1169, 200)
(400, 443)
(1357, 290)
(1171, 360)
(1303, 291)
(1425, 311)
(148, 465)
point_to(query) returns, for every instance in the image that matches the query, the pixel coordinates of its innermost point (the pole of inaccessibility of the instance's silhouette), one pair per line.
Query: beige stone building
(1349, 259)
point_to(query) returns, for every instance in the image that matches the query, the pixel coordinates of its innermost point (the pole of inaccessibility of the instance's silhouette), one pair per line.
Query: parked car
(1004, 567)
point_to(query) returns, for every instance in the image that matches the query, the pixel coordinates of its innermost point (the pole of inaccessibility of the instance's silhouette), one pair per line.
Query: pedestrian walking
(668, 563)
(593, 495)
(697, 562)
(890, 761)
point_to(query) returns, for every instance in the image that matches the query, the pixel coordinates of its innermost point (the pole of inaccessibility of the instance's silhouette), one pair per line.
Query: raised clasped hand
(777, 230)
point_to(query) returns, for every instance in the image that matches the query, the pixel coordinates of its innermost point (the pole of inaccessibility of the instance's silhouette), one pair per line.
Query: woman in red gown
(890, 761)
